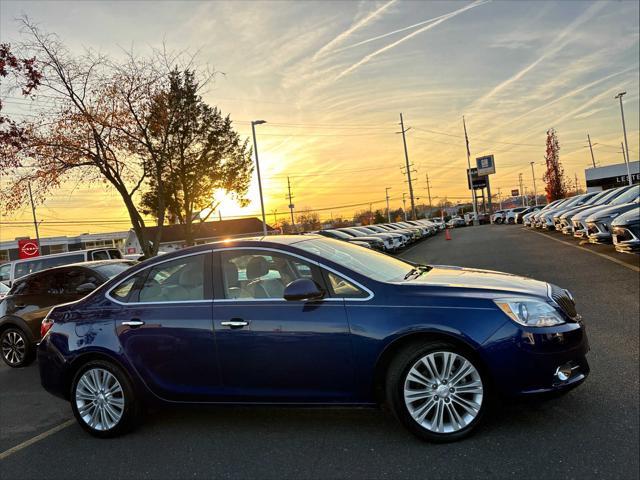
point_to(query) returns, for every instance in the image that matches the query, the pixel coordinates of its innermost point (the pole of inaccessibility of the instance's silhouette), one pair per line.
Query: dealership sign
(479, 181)
(28, 248)
(486, 165)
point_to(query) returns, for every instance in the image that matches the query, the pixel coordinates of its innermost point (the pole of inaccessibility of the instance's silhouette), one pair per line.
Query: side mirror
(86, 287)
(303, 289)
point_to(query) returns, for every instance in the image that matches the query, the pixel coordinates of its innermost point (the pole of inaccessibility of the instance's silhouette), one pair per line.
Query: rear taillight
(45, 326)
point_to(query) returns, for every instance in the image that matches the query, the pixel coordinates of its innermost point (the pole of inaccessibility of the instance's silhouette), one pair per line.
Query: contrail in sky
(556, 45)
(444, 18)
(344, 35)
(373, 39)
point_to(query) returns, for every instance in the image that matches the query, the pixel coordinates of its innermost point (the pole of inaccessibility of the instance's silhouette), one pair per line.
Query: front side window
(261, 275)
(5, 272)
(41, 263)
(342, 288)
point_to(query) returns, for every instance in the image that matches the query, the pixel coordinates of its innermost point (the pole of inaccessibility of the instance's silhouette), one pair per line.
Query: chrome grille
(564, 301)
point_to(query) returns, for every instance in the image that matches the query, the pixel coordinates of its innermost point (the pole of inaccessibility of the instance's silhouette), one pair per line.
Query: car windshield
(3, 289)
(110, 270)
(627, 197)
(595, 200)
(369, 263)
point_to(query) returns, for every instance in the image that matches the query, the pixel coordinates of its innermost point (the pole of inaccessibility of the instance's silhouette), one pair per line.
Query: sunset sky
(331, 78)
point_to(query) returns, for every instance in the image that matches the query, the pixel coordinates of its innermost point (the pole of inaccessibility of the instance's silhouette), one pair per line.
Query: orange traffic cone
(447, 234)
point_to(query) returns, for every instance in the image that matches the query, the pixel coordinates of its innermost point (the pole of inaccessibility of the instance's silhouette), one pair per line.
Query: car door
(271, 349)
(165, 328)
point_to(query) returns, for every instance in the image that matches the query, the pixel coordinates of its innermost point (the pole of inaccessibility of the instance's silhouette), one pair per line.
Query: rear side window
(46, 283)
(115, 254)
(100, 255)
(179, 280)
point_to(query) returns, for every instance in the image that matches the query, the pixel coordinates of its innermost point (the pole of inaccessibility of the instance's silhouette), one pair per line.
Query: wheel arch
(94, 355)
(403, 341)
(13, 321)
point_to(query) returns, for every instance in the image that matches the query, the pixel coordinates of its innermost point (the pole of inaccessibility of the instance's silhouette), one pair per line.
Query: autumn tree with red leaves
(99, 123)
(555, 184)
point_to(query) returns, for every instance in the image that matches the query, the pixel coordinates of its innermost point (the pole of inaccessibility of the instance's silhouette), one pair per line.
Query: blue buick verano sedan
(310, 321)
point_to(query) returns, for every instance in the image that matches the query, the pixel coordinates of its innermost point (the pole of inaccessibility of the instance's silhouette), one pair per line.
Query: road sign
(479, 181)
(28, 248)
(515, 193)
(486, 165)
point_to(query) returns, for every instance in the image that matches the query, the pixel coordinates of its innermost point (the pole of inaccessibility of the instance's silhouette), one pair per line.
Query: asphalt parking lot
(592, 431)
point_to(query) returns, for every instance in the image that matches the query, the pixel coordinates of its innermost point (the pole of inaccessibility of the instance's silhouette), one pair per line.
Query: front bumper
(598, 233)
(624, 240)
(526, 361)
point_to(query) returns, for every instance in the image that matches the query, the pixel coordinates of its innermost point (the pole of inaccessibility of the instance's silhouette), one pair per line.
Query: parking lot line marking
(608, 257)
(37, 438)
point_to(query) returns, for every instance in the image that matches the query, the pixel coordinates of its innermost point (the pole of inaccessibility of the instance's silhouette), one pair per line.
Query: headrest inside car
(257, 267)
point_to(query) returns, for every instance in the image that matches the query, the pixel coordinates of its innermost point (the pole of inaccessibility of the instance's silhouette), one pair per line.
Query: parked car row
(385, 237)
(609, 216)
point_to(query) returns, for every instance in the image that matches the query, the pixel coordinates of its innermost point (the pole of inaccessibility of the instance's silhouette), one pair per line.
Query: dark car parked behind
(31, 297)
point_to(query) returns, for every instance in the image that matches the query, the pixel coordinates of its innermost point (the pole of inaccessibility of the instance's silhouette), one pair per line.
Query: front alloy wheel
(437, 391)
(443, 392)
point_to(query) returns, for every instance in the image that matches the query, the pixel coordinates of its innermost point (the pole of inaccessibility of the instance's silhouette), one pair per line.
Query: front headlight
(529, 312)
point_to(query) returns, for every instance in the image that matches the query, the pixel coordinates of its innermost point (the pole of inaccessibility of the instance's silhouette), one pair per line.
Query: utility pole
(35, 221)
(291, 205)
(500, 197)
(404, 206)
(535, 191)
(406, 159)
(624, 130)
(429, 192)
(473, 190)
(521, 190)
(593, 160)
(576, 180)
(371, 214)
(386, 191)
(275, 217)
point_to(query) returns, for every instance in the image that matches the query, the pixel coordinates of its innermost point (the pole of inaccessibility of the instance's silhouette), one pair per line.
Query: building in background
(51, 245)
(602, 178)
(172, 237)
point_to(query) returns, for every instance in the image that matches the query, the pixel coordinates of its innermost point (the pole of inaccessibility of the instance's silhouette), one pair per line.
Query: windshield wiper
(417, 271)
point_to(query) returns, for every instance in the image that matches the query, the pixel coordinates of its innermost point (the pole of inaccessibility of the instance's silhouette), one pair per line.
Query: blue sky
(331, 78)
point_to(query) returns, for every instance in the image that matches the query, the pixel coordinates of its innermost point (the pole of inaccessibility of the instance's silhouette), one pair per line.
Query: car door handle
(235, 323)
(133, 323)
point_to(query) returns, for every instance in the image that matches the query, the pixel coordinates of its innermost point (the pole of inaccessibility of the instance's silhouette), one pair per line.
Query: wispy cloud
(348, 32)
(372, 55)
(553, 48)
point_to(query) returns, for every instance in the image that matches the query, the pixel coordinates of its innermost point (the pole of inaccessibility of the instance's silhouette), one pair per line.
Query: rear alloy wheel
(102, 399)
(16, 350)
(437, 391)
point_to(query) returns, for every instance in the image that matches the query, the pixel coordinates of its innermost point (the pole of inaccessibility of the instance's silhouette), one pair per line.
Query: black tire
(511, 221)
(17, 349)
(395, 381)
(131, 414)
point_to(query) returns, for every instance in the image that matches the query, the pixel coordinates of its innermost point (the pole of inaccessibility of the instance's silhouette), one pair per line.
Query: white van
(19, 268)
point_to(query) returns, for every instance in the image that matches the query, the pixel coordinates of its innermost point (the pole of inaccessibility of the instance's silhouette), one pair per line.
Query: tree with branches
(555, 184)
(204, 154)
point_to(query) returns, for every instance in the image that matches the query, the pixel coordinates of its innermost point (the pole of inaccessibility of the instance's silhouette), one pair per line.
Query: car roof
(95, 263)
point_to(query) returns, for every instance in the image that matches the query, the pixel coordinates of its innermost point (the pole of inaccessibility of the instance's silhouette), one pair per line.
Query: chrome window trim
(171, 302)
(238, 300)
(313, 262)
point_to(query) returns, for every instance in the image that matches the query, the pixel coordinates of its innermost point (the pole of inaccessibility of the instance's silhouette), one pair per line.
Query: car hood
(365, 238)
(612, 210)
(589, 211)
(572, 211)
(629, 218)
(473, 278)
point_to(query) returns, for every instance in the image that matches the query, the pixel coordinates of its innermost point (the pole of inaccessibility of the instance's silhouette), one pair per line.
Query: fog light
(563, 372)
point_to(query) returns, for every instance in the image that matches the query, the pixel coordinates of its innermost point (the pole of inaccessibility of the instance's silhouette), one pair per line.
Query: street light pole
(535, 190)
(624, 130)
(593, 159)
(255, 151)
(386, 191)
(404, 205)
(473, 190)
